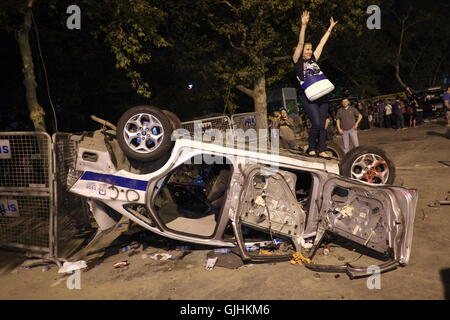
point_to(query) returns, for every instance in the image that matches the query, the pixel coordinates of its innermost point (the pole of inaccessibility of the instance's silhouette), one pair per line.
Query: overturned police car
(191, 186)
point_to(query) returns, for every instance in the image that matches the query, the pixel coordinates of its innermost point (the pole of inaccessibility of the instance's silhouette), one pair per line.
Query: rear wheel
(369, 164)
(144, 133)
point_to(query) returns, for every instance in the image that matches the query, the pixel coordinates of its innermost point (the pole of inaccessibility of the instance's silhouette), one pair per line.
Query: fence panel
(71, 212)
(26, 211)
(221, 123)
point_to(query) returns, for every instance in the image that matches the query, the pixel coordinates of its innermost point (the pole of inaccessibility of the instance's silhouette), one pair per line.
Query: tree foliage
(229, 49)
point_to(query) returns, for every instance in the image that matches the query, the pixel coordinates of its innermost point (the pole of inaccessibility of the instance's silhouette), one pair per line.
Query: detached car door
(379, 217)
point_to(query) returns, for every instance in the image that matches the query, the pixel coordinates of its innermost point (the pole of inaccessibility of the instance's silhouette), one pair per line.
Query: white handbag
(316, 85)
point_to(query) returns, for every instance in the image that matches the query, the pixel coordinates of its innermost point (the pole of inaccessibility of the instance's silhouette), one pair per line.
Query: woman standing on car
(304, 58)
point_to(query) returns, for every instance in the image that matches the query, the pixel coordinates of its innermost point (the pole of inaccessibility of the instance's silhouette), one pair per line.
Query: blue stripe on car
(115, 180)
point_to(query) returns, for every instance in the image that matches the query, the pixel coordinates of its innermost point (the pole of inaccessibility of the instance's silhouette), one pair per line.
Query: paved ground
(416, 153)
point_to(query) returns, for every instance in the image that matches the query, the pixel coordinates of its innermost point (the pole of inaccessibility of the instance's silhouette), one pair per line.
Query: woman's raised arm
(301, 38)
(324, 39)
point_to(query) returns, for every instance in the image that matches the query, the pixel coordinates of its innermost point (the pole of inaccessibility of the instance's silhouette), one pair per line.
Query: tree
(246, 45)
(24, 8)
(420, 41)
(130, 29)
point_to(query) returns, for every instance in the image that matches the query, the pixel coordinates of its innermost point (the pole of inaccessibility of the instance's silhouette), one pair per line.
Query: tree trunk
(399, 54)
(36, 111)
(258, 94)
(260, 97)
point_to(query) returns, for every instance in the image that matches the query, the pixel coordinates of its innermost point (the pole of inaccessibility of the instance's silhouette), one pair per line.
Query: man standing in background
(347, 119)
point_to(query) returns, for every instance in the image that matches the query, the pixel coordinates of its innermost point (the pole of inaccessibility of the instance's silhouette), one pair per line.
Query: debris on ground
(298, 258)
(266, 252)
(183, 248)
(132, 246)
(210, 263)
(222, 250)
(133, 253)
(72, 266)
(326, 249)
(121, 264)
(160, 256)
(229, 260)
(179, 255)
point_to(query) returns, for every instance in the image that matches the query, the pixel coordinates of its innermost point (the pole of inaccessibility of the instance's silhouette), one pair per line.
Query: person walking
(305, 59)
(347, 119)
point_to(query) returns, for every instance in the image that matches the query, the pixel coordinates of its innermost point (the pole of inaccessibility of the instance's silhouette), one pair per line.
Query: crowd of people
(398, 114)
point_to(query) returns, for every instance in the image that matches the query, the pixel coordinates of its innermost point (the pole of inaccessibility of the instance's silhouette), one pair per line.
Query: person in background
(362, 108)
(348, 118)
(329, 127)
(274, 120)
(388, 114)
(398, 111)
(446, 100)
(408, 113)
(287, 133)
(414, 106)
(381, 106)
(419, 110)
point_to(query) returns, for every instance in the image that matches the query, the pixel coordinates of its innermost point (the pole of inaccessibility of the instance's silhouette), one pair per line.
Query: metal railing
(201, 126)
(37, 213)
(26, 197)
(250, 120)
(71, 210)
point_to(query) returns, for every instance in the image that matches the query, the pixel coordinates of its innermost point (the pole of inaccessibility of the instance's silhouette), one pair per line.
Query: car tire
(148, 122)
(173, 118)
(370, 164)
(335, 149)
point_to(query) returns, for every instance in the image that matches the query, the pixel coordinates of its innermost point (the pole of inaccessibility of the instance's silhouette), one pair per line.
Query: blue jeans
(317, 112)
(400, 120)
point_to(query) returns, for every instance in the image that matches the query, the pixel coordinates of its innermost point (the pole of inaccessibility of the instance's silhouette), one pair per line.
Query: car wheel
(369, 164)
(144, 133)
(335, 149)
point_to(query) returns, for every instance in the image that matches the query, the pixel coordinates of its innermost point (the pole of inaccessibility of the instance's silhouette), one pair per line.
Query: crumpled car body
(202, 192)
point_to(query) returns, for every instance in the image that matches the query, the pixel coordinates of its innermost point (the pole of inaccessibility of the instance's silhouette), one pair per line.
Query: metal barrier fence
(250, 120)
(221, 123)
(71, 211)
(26, 197)
(37, 213)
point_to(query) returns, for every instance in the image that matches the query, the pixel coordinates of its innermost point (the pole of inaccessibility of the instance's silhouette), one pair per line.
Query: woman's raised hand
(305, 17)
(332, 22)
